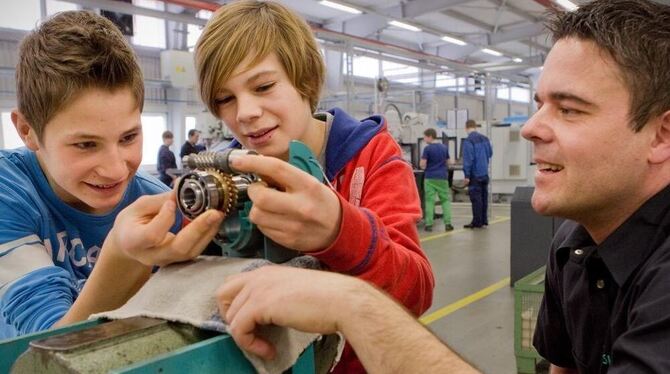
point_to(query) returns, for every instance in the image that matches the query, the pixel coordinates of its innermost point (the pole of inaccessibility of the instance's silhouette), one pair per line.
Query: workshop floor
(473, 304)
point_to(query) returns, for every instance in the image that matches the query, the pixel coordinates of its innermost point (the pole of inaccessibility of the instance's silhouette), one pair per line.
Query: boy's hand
(142, 231)
(296, 211)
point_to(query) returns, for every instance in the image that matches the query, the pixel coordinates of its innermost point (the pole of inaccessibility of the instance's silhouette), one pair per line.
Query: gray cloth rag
(185, 293)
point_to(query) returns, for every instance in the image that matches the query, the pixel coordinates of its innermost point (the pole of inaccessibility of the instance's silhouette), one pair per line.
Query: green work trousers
(439, 187)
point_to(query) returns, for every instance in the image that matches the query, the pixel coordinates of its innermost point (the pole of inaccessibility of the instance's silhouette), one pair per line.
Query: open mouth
(549, 168)
(104, 187)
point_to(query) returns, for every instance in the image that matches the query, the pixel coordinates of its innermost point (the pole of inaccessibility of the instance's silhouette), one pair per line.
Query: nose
(112, 165)
(536, 128)
(248, 108)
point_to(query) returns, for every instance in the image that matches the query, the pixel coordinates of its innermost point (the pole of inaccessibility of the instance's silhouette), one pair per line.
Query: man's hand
(306, 300)
(141, 231)
(466, 182)
(296, 210)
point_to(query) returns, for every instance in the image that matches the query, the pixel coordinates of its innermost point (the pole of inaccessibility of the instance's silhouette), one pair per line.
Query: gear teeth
(229, 190)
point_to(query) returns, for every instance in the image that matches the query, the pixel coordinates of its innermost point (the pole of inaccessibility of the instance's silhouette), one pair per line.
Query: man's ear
(25, 131)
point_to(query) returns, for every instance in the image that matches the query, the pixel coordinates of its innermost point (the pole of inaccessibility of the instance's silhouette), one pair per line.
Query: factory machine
(148, 345)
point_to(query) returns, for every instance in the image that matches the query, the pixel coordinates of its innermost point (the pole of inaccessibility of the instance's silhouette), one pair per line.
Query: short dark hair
(430, 132)
(168, 134)
(470, 124)
(192, 132)
(636, 35)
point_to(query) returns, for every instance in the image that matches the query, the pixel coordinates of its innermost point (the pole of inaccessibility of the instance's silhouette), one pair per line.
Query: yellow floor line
(457, 231)
(443, 312)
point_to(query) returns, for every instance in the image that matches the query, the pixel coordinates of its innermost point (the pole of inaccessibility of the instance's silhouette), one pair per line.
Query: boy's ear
(25, 131)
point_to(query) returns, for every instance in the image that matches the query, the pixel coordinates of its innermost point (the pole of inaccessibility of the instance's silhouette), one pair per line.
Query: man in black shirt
(190, 144)
(601, 139)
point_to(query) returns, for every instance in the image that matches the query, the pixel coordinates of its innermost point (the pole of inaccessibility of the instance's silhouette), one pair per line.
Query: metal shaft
(215, 160)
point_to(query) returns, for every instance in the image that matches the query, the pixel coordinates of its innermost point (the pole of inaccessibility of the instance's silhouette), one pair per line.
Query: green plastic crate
(528, 292)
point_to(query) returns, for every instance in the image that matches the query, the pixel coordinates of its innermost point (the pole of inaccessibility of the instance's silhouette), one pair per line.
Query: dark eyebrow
(565, 96)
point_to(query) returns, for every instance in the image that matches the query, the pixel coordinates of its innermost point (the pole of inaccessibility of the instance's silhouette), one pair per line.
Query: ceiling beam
(416, 8)
(116, 6)
(517, 33)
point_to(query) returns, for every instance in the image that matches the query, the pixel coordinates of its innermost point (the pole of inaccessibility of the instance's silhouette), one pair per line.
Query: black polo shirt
(606, 307)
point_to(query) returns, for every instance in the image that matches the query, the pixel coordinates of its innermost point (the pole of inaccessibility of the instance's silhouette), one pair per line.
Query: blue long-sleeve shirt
(47, 247)
(477, 152)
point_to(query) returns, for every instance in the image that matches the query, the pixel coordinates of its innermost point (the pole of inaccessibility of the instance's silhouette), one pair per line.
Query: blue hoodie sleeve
(37, 300)
(468, 158)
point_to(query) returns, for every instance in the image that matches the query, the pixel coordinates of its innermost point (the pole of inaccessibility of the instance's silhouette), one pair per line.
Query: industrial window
(502, 92)
(520, 94)
(55, 6)
(149, 31)
(10, 139)
(364, 66)
(189, 125)
(20, 15)
(153, 126)
(400, 72)
(194, 31)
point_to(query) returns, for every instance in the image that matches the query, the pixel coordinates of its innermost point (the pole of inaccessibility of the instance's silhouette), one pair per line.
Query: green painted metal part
(241, 235)
(300, 156)
(134, 345)
(11, 349)
(528, 292)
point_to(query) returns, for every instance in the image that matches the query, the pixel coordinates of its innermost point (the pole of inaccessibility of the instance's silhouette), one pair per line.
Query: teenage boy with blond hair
(261, 72)
(76, 237)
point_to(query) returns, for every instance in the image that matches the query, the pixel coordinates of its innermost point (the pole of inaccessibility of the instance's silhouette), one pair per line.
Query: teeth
(552, 167)
(105, 185)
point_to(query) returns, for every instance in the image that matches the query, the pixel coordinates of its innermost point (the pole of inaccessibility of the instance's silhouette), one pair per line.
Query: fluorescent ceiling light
(451, 40)
(516, 59)
(403, 25)
(567, 5)
(491, 52)
(341, 7)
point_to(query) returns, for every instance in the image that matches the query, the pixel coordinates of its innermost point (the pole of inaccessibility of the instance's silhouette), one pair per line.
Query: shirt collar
(630, 244)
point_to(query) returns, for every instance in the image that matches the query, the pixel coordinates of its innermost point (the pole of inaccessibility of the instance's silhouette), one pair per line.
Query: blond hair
(67, 54)
(255, 29)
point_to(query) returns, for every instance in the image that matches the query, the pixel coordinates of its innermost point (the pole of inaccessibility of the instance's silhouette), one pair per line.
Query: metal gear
(206, 189)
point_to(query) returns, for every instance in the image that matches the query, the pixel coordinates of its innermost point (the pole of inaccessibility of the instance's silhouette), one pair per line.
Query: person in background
(260, 70)
(166, 159)
(190, 145)
(81, 228)
(435, 160)
(477, 153)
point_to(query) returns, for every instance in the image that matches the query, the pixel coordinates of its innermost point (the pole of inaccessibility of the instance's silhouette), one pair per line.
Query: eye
(224, 100)
(129, 138)
(265, 87)
(568, 111)
(85, 145)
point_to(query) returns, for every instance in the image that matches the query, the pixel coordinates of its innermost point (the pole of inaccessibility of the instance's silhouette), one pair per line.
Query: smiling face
(591, 165)
(92, 148)
(265, 111)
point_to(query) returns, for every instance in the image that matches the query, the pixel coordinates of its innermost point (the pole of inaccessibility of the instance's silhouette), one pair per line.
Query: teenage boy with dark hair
(77, 236)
